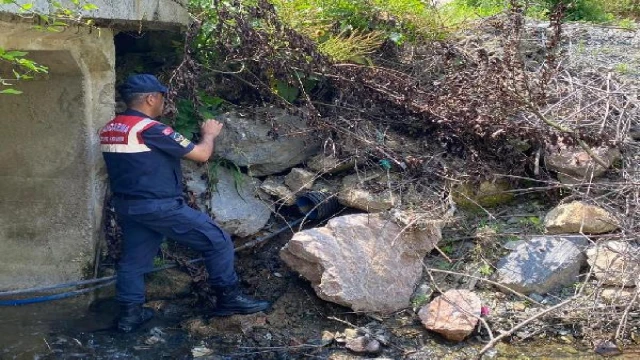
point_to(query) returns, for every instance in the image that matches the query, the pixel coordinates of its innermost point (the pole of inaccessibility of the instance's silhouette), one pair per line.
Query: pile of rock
(365, 261)
(545, 263)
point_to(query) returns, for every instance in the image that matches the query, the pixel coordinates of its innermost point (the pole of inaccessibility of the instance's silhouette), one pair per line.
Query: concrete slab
(52, 178)
(144, 14)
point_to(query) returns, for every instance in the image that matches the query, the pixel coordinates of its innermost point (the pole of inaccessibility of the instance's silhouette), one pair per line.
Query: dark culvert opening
(151, 52)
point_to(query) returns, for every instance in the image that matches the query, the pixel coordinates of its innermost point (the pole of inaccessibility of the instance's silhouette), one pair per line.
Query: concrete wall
(143, 14)
(51, 172)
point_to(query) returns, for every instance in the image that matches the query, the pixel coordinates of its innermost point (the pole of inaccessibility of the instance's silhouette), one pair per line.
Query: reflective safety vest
(143, 157)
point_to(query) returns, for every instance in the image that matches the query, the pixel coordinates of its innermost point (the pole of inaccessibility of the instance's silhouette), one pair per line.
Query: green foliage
(352, 21)
(622, 68)
(598, 11)
(187, 121)
(158, 262)
(212, 173)
(420, 300)
(21, 69)
(532, 224)
(286, 91)
(486, 270)
(59, 18)
(623, 8)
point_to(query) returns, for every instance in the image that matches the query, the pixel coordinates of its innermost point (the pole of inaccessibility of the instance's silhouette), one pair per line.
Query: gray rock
(363, 344)
(329, 164)
(233, 204)
(299, 180)
(536, 297)
(274, 186)
(196, 180)
(574, 165)
(362, 261)
(542, 264)
(353, 194)
(615, 262)
(266, 142)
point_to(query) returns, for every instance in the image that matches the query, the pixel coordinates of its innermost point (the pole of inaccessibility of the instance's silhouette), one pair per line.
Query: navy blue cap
(142, 83)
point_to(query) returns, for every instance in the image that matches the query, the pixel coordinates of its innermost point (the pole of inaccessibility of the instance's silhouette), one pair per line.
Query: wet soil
(81, 328)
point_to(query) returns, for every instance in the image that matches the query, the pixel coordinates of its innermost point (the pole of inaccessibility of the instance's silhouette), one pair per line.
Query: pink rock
(453, 314)
(363, 261)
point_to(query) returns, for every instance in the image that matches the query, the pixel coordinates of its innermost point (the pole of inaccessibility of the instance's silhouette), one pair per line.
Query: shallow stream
(72, 329)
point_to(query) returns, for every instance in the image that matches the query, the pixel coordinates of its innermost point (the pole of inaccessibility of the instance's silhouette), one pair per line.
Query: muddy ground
(299, 326)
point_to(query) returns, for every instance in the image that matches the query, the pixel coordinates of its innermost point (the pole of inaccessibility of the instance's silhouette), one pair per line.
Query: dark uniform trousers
(144, 225)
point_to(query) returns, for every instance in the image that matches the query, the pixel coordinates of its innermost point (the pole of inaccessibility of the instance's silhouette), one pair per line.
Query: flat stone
(578, 217)
(575, 165)
(363, 344)
(234, 204)
(274, 186)
(487, 194)
(617, 296)
(266, 142)
(362, 261)
(453, 314)
(615, 262)
(299, 180)
(354, 195)
(542, 264)
(329, 164)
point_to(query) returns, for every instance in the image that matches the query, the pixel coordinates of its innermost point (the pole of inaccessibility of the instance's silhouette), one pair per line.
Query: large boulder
(362, 261)
(575, 165)
(542, 264)
(578, 217)
(233, 203)
(453, 314)
(615, 262)
(268, 141)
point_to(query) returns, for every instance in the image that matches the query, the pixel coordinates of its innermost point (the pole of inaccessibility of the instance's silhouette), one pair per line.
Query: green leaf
(289, 93)
(15, 54)
(26, 7)
(90, 7)
(7, 1)
(11, 92)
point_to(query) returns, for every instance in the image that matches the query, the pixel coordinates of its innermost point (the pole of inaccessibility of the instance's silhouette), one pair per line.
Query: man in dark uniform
(143, 161)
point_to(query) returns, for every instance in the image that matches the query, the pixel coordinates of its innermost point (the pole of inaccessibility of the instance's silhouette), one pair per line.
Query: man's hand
(210, 130)
(211, 127)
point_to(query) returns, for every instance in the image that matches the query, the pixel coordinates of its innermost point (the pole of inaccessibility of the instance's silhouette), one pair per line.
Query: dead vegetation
(445, 113)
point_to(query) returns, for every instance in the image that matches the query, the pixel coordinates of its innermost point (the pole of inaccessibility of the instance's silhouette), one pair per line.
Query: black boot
(230, 300)
(132, 316)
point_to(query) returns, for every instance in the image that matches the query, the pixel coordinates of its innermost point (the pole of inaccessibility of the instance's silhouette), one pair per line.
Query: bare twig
(497, 339)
